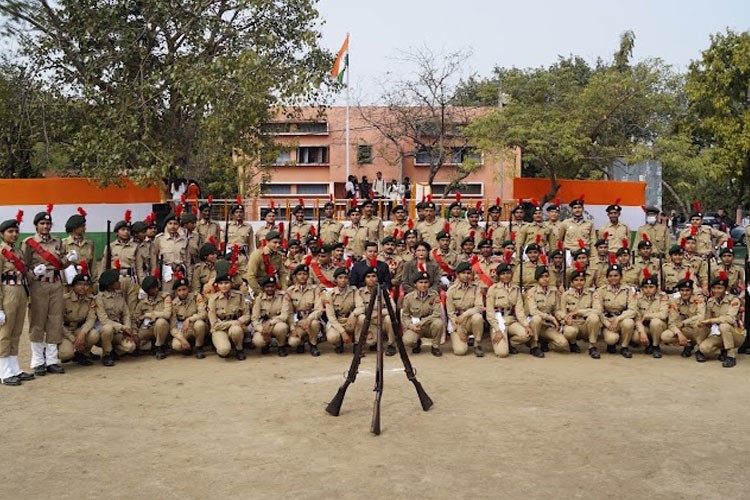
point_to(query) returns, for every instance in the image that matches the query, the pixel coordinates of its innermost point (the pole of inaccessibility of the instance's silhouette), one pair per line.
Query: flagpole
(346, 139)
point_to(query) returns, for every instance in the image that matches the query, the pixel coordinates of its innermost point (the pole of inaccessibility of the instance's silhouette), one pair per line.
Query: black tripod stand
(379, 297)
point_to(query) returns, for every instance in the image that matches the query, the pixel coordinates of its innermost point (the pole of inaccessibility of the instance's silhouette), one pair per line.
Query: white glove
(141, 294)
(2, 318)
(445, 281)
(146, 323)
(40, 270)
(72, 256)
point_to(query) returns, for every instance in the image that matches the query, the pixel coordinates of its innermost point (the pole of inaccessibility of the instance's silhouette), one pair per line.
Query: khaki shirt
(706, 238)
(354, 238)
(500, 234)
(7, 268)
(429, 230)
(571, 231)
(543, 302)
(592, 277)
(79, 314)
(240, 234)
(529, 268)
(699, 269)
(365, 294)
(618, 302)
(648, 308)
(300, 230)
(673, 274)
(375, 227)
(143, 263)
(630, 276)
(153, 308)
(223, 310)
(256, 268)
(554, 233)
(420, 306)
(463, 300)
(395, 266)
(330, 230)
(459, 234)
(449, 258)
(126, 253)
(579, 304)
(206, 229)
(339, 304)
(724, 311)
(304, 302)
(273, 309)
(735, 274)
(529, 232)
(33, 259)
(401, 228)
(507, 299)
(615, 235)
(112, 310)
(327, 272)
(686, 314)
(193, 245)
(652, 265)
(173, 250)
(193, 308)
(260, 235)
(556, 277)
(488, 265)
(86, 252)
(599, 268)
(203, 274)
(659, 236)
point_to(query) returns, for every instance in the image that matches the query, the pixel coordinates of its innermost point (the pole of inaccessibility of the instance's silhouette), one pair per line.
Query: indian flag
(342, 61)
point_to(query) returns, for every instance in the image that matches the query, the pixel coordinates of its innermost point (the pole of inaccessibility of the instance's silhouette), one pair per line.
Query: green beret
(533, 246)
(267, 280)
(411, 232)
(651, 280)
(293, 243)
(644, 244)
(421, 276)
(170, 217)
(600, 242)
(685, 283)
(614, 267)
(204, 206)
(222, 278)
(388, 239)
(503, 268)
(580, 251)
(676, 249)
(468, 239)
(367, 202)
(726, 250)
(222, 266)
(81, 278)
(8, 224)
(188, 218)
(652, 210)
(398, 208)
(301, 268)
(540, 271)
(463, 266)
(180, 282)
(339, 271)
(485, 243)
(443, 234)
(555, 253)
(121, 224)
(330, 247)
(149, 282)
(576, 273)
(508, 243)
(273, 235)
(721, 279)
(298, 208)
(454, 205)
(74, 222)
(354, 210)
(205, 250)
(623, 251)
(138, 227)
(108, 277)
(42, 216)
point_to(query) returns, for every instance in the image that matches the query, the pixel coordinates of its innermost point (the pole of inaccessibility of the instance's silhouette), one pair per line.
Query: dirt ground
(565, 426)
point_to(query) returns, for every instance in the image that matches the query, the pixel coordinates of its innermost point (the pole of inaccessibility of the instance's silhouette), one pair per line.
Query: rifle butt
(375, 427)
(334, 407)
(424, 399)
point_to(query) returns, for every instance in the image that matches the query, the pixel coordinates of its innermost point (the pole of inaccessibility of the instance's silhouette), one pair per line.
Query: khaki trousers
(729, 339)
(541, 329)
(46, 312)
(372, 332)
(584, 329)
(196, 333)
(279, 330)
(431, 328)
(67, 347)
(334, 337)
(474, 325)
(158, 332)
(696, 335)
(15, 303)
(516, 334)
(623, 334)
(224, 338)
(653, 329)
(304, 328)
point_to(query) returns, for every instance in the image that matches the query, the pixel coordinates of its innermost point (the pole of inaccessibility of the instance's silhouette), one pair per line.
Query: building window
(312, 189)
(471, 189)
(295, 128)
(312, 128)
(284, 158)
(313, 155)
(364, 153)
(277, 189)
(453, 156)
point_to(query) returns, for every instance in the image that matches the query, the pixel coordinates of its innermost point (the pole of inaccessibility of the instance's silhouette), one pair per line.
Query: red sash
(270, 270)
(443, 265)
(482, 275)
(48, 256)
(18, 263)
(318, 272)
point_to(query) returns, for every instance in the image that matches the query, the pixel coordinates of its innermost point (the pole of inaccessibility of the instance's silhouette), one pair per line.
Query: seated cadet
(392, 259)
(542, 302)
(445, 258)
(152, 315)
(735, 274)
(466, 252)
(580, 312)
(420, 315)
(321, 267)
(305, 309)
(645, 259)
(556, 269)
(507, 316)
(524, 274)
(365, 292)
(340, 303)
(79, 320)
(721, 317)
(113, 314)
(686, 312)
(484, 265)
(618, 312)
(228, 314)
(675, 269)
(188, 321)
(203, 273)
(464, 304)
(270, 317)
(652, 313)
(581, 256)
(601, 263)
(629, 272)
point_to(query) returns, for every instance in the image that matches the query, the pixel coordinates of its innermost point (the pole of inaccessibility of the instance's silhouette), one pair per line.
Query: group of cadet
(544, 284)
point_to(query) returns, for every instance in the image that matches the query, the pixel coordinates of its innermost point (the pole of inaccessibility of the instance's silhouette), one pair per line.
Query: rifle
(745, 348)
(319, 210)
(289, 227)
(661, 273)
(375, 426)
(334, 407)
(226, 232)
(108, 258)
(565, 270)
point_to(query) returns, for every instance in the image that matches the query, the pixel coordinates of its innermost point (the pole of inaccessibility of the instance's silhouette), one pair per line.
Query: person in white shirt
(378, 185)
(395, 193)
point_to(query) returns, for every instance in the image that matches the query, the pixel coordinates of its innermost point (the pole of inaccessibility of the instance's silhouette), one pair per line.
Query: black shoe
(339, 349)
(198, 351)
(470, 341)
(536, 352)
(625, 351)
(240, 355)
(40, 371)
(594, 353)
(574, 347)
(722, 355)
(512, 349)
(283, 353)
(436, 352)
(136, 353)
(417, 347)
(161, 352)
(25, 377)
(56, 369)
(478, 352)
(81, 359)
(247, 342)
(374, 347)
(390, 351)
(728, 362)
(544, 345)
(656, 352)
(301, 349)
(744, 350)
(93, 357)
(649, 349)
(11, 381)
(107, 360)
(265, 349)
(687, 351)
(314, 351)
(611, 349)
(700, 357)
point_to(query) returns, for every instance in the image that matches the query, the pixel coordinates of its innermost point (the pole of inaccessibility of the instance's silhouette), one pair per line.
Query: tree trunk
(677, 197)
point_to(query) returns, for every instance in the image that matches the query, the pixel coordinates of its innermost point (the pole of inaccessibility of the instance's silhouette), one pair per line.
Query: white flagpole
(346, 139)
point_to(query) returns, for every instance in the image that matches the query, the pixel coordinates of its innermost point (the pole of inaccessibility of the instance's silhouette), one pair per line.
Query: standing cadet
(143, 249)
(526, 269)
(645, 259)
(543, 302)
(270, 225)
(698, 264)
(188, 320)
(113, 314)
(170, 251)
(445, 258)
(535, 231)
(394, 262)
(619, 234)
(340, 303)
(556, 269)
(76, 229)
(355, 235)
(125, 259)
(266, 261)
(464, 305)
(365, 292)
(400, 222)
(420, 315)
(707, 238)
(602, 262)
(686, 314)
(152, 315)
(466, 229)
(206, 227)
(658, 234)
(581, 257)
(629, 272)
(228, 314)
(507, 315)
(321, 268)
(431, 225)
(674, 270)
(553, 222)
(13, 303)
(372, 222)
(500, 231)
(240, 233)
(575, 228)
(204, 272)
(79, 320)
(305, 309)
(721, 317)
(270, 317)
(485, 266)
(189, 221)
(329, 228)
(455, 211)
(45, 260)
(618, 312)
(300, 229)
(652, 313)
(580, 312)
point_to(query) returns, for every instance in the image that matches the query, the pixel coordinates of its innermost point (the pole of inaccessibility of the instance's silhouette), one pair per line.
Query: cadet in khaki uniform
(445, 258)
(79, 334)
(228, 314)
(266, 261)
(322, 268)
(188, 320)
(373, 223)
(13, 303)
(455, 212)
(686, 314)
(340, 303)
(645, 260)
(674, 270)
(392, 259)
(581, 257)
(460, 232)
(420, 316)
(240, 233)
(527, 268)
(484, 266)
(330, 230)
(270, 225)
(553, 222)
(431, 225)
(725, 333)
(270, 316)
(170, 248)
(536, 231)
(735, 274)
(76, 229)
(576, 228)
(580, 313)
(204, 272)
(365, 292)
(602, 260)
(507, 316)
(113, 314)
(696, 263)
(658, 234)
(500, 232)
(543, 302)
(143, 248)
(464, 305)
(126, 260)
(618, 312)
(44, 261)
(152, 315)
(300, 229)
(629, 272)
(355, 235)
(206, 227)
(619, 234)
(652, 314)
(556, 269)
(305, 309)
(188, 222)
(293, 256)
(707, 238)
(400, 222)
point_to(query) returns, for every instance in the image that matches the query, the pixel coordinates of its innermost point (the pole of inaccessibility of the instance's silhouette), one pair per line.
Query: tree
(418, 116)
(172, 87)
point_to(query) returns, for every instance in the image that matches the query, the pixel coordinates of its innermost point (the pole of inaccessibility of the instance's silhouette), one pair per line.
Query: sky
(525, 33)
